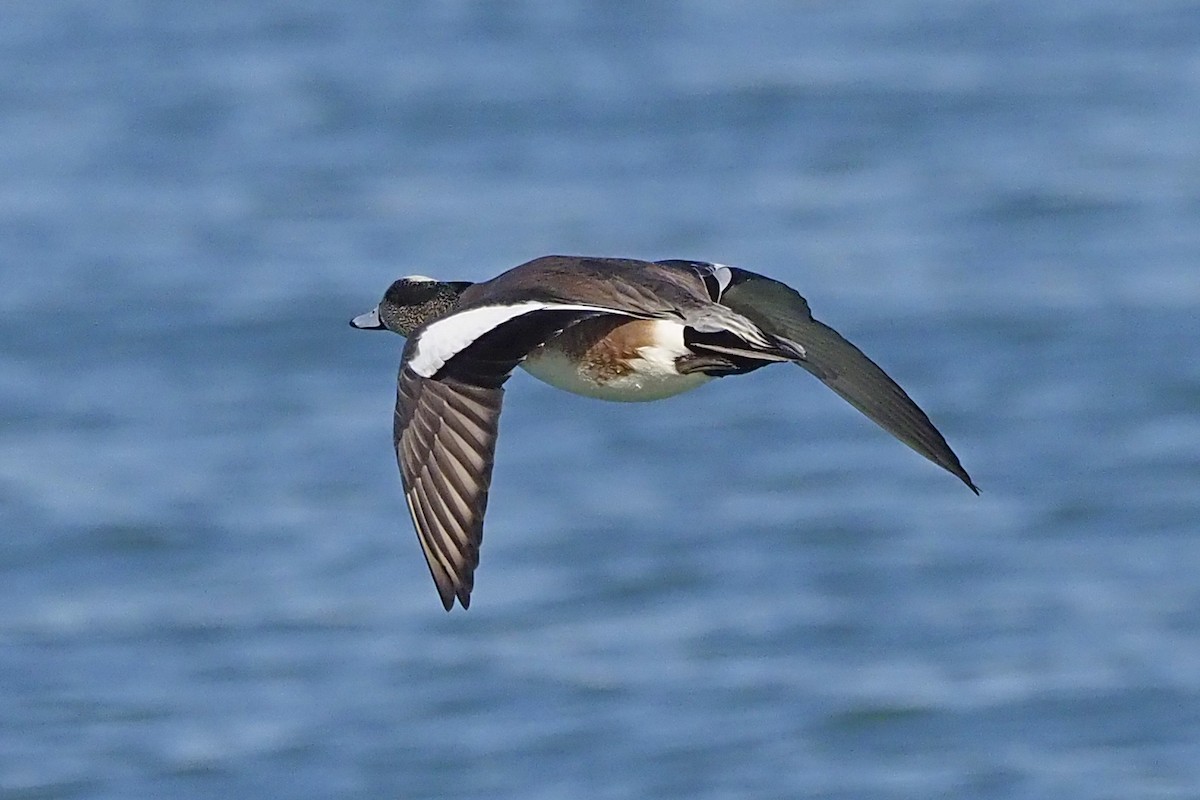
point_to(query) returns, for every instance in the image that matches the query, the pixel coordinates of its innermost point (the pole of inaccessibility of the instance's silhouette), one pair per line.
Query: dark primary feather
(780, 310)
(444, 433)
(445, 437)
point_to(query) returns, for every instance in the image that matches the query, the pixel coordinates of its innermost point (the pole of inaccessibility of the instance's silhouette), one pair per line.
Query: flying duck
(611, 328)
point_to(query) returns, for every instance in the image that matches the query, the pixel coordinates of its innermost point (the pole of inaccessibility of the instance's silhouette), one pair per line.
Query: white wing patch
(449, 336)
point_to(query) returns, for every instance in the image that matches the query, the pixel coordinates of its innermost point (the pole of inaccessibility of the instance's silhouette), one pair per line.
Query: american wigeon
(611, 328)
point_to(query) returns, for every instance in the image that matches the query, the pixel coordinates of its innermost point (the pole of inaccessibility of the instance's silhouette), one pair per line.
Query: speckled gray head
(409, 303)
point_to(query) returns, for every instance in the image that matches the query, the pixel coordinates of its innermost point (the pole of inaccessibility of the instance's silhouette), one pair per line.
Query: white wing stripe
(449, 336)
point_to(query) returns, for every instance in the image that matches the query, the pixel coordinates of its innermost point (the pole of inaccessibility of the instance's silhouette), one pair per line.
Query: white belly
(649, 375)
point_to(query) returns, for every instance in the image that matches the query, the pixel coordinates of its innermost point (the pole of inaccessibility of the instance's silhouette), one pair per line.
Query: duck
(616, 329)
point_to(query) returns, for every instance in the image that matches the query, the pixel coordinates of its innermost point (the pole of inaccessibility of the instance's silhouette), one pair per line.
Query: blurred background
(210, 586)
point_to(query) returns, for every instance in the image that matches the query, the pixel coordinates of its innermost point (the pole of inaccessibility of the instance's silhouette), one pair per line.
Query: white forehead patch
(418, 279)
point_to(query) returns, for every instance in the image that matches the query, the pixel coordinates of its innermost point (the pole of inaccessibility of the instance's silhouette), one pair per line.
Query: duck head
(410, 303)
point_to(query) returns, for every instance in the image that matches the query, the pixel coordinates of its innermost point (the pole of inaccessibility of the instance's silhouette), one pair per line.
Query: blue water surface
(209, 584)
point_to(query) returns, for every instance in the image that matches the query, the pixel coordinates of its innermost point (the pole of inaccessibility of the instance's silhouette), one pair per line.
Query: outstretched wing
(448, 399)
(780, 310)
(445, 438)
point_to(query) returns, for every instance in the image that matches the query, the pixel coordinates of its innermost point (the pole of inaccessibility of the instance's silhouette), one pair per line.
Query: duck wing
(445, 438)
(449, 395)
(782, 311)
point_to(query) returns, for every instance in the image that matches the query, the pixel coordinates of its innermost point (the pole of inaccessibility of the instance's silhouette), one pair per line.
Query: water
(208, 582)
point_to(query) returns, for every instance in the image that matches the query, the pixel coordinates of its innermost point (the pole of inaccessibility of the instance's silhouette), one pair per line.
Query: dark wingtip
(962, 475)
(951, 465)
(462, 595)
(445, 594)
